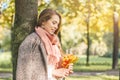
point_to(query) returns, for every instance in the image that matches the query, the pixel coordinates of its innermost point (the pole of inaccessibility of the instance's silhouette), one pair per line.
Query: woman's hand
(70, 68)
(61, 73)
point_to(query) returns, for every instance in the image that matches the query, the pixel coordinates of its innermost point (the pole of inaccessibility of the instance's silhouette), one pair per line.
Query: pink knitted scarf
(51, 45)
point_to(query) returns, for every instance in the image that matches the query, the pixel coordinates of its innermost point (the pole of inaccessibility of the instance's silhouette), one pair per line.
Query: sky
(4, 5)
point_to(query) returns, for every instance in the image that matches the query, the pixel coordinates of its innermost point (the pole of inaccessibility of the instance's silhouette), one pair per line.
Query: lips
(53, 30)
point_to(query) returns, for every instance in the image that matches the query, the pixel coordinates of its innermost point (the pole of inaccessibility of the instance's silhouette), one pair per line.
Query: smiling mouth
(53, 30)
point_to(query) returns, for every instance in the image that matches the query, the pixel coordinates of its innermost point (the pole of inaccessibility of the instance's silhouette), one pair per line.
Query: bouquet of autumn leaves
(68, 59)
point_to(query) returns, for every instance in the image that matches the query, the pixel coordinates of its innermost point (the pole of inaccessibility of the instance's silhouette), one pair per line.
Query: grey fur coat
(31, 63)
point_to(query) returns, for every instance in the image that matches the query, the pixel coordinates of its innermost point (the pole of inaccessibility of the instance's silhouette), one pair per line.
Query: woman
(40, 55)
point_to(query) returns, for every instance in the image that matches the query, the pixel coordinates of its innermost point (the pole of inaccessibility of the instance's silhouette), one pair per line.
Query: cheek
(51, 24)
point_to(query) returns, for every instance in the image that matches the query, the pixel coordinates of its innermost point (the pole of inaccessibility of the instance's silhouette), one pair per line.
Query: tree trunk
(88, 43)
(88, 39)
(25, 20)
(116, 41)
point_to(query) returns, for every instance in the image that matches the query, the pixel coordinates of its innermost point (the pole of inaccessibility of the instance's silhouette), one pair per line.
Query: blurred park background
(90, 30)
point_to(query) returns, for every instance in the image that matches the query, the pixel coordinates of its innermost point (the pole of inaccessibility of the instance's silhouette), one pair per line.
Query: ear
(43, 23)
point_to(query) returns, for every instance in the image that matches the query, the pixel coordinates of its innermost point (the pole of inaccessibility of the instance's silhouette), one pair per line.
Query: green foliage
(98, 48)
(74, 20)
(5, 39)
(5, 60)
(108, 39)
(109, 55)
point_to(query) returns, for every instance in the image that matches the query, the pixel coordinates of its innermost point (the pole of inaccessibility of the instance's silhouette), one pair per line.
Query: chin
(52, 33)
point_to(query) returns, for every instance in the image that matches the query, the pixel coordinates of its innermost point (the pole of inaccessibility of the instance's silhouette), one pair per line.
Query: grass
(5, 70)
(91, 68)
(6, 79)
(96, 64)
(99, 77)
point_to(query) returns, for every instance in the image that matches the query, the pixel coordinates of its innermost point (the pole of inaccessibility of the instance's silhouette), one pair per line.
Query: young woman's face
(52, 24)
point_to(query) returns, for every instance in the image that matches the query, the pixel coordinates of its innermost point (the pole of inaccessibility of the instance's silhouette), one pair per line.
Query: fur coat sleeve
(31, 63)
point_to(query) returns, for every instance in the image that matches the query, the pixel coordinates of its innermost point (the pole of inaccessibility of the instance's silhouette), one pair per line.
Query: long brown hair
(45, 15)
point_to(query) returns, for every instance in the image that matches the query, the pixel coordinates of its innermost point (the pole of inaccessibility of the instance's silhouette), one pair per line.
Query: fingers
(67, 72)
(60, 73)
(70, 72)
(70, 68)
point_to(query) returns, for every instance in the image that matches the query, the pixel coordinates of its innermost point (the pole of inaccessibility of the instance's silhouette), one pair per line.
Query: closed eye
(54, 22)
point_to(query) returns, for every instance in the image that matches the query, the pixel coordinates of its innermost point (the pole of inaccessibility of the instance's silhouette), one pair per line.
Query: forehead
(55, 18)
